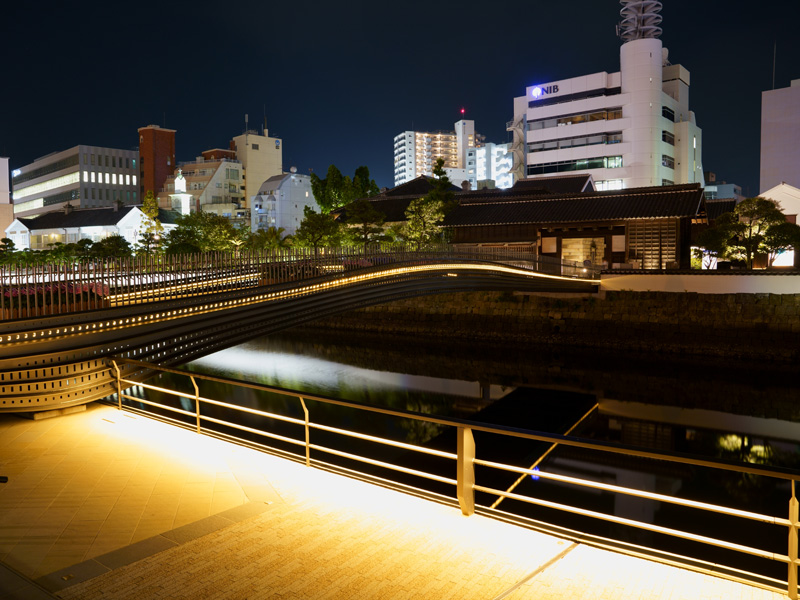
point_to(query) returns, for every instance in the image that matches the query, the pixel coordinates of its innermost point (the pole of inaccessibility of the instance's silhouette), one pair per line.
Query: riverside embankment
(758, 325)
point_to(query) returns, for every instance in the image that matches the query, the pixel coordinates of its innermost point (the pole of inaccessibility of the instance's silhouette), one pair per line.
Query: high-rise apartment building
(632, 128)
(83, 176)
(156, 158)
(416, 152)
(780, 132)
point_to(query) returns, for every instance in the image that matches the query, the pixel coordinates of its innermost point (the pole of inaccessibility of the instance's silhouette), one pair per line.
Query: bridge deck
(104, 504)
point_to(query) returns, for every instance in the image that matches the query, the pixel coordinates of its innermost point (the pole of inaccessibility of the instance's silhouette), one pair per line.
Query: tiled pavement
(104, 504)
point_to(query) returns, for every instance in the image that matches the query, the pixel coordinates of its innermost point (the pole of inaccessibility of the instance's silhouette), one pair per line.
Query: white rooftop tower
(640, 19)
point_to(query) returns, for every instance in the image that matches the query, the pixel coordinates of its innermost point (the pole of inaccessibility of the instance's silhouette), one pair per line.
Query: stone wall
(730, 325)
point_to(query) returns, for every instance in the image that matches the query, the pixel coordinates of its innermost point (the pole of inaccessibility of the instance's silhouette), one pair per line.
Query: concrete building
(68, 226)
(490, 166)
(780, 132)
(280, 202)
(416, 152)
(83, 177)
(156, 158)
(6, 208)
(215, 184)
(632, 128)
(717, 190)
(260, 155)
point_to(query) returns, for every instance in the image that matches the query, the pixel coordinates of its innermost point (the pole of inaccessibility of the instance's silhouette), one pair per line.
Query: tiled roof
(86, 217)
(557, 184)
(715, 208)
(619, 205)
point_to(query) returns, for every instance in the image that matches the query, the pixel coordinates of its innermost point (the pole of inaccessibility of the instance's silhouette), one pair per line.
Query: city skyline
(336, 85)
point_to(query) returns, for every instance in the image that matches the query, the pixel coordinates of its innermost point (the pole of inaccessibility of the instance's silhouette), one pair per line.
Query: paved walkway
(104, 504)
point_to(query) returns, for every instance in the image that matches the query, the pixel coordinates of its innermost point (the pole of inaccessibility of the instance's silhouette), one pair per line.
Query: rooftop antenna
(640, 19)
(264, 131)
(245, 129)
(774, 58)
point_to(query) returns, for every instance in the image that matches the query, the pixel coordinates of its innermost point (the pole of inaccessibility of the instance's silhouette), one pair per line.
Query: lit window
(127, 179)
(114, 178)
(134, 183)
(85, 176)
(107, 177)
(93, 176)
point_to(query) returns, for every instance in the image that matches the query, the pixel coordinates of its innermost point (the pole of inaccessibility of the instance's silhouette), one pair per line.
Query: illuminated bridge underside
(55, 362)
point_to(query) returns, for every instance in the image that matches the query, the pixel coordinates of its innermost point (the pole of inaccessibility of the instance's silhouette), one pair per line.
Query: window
(114, 178)
(613, 162)
(574, 142)
(106, 159)
(93, 176)
(668, 161)
(113, 161)
(668, 113)
(601, 115)
(667, 137)
(108, 179)
(85, 176)
(609, 184)
(667, 182)
(254, 146)
(601, 162)
(92, 158)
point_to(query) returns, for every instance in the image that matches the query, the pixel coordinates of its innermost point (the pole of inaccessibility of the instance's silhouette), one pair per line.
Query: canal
(721, 409)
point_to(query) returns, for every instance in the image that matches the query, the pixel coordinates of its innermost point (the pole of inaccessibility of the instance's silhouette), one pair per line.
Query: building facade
(780, 132)
(69, 226)
(83, 177)
(416, 152)
(632, 128)
(215, 185)
(280, 202)
(156, 158)
(490, 166)
(261, 156)
(6, 208)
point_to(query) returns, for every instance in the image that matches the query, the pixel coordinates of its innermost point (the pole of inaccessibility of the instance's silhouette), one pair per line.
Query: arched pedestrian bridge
(61, 324)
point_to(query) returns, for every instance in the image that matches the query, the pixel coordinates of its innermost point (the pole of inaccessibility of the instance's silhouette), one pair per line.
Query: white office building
(416, 152)
(632, 128)
(83, 177)
(780, 132)
(280, 202)
(490, 166)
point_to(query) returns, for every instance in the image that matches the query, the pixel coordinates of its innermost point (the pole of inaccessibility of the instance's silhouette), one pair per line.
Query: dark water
(721, 409)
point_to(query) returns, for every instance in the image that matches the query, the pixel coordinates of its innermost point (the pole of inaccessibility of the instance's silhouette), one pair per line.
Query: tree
(441, 188)
(337, 190)
(779, 238)
(201, 232)
(268, 239)
(113, 246)
(7, 249)
(423, 218)
(153, 230)
(317, 229)
(365, 221)
(756, 216)
(714, 242)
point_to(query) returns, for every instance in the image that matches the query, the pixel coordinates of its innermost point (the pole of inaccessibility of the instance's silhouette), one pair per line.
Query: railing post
(119, 385)
(793, 520)
(465, 477)
(196, 402)
(308, 437)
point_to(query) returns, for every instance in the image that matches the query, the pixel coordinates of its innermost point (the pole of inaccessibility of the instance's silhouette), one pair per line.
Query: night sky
(339, 81)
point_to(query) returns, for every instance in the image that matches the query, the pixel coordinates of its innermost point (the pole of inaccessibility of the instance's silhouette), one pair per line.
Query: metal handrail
(466, 460)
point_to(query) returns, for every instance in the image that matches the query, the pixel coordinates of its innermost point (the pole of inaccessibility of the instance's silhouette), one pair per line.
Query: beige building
(261, 156)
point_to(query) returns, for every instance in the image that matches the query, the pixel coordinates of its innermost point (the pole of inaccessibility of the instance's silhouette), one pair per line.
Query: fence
(199, 417)
(48, 289)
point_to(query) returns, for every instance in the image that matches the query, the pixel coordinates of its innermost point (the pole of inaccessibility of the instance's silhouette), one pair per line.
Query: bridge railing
(299, 433)
(54, 288)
